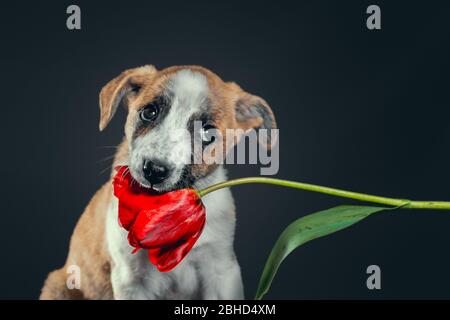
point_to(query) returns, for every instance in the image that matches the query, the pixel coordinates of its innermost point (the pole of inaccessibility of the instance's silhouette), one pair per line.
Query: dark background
(362, 110)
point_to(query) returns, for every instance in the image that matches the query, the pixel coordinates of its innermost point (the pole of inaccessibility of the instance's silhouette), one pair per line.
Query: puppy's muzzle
(155, 171)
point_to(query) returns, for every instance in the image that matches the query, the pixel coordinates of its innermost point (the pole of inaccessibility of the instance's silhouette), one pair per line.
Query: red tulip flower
(166, 225)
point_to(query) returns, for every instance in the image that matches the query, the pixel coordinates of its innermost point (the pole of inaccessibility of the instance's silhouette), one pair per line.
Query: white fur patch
(189, 86)
(169, 142)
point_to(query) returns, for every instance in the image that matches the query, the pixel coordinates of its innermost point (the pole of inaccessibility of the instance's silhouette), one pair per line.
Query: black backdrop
(357, 109)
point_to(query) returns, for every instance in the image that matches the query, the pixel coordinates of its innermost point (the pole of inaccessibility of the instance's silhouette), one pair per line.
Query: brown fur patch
(88, 251)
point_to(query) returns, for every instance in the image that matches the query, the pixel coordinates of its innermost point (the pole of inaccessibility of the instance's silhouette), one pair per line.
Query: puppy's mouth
(185, 181)
(154, 188)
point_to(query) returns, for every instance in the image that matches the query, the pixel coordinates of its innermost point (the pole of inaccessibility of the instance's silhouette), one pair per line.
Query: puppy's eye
(150, 112)
(135, 88)
(207, 134)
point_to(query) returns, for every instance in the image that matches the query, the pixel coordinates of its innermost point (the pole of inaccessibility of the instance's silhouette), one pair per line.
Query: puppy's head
(171, 110)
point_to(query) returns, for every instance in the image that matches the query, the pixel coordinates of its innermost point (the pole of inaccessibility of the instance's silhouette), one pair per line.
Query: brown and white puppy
(159, 103)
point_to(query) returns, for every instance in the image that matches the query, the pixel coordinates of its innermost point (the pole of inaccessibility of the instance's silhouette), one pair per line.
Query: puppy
(159, 103)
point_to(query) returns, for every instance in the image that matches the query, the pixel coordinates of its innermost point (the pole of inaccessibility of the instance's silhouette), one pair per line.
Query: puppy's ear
(253, 112)
(114, 91)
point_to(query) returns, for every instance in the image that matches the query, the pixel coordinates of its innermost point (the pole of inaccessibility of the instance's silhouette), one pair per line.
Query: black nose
(155, 171)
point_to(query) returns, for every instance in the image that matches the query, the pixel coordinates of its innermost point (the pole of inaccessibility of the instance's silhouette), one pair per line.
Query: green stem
(331, 191)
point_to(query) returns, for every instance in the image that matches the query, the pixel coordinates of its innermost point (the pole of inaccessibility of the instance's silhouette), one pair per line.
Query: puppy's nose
(155, 171)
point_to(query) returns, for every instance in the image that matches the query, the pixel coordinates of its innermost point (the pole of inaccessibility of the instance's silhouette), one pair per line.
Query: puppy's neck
(218, 175)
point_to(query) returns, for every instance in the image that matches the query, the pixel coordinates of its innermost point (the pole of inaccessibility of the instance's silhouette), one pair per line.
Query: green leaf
(307, 228)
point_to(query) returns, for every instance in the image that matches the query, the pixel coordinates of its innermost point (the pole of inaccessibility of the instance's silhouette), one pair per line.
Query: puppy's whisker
(108, 147)
(105, 169)
(126, 172)
(106, 158)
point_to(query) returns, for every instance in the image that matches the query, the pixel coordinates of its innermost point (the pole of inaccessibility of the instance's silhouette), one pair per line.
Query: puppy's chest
(187, 279)
(184, 282)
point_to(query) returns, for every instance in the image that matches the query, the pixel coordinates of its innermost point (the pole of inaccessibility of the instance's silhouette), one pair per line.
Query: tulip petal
(167, 258)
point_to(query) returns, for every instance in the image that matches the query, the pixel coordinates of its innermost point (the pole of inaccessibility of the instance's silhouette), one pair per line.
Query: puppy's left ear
(114, 91)
(253, 112)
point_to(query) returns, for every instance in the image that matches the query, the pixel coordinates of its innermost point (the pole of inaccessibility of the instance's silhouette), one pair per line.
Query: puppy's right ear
(114, 91)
